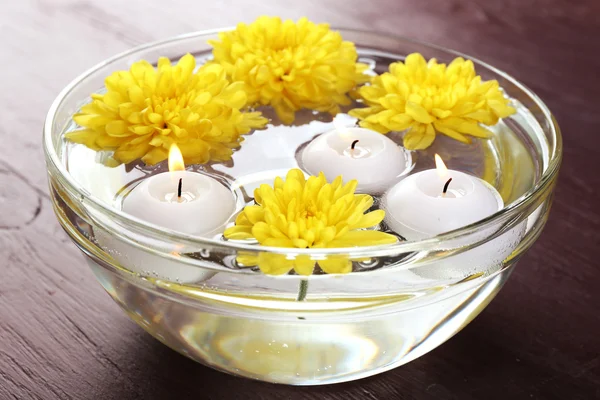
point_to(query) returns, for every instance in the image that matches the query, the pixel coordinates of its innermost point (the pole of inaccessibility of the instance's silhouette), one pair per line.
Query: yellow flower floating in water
(308, 213)
(427, 97)
(145, 110)
(290, 65)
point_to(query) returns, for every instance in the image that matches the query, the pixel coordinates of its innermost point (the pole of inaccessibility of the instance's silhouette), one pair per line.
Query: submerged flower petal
(336, 265)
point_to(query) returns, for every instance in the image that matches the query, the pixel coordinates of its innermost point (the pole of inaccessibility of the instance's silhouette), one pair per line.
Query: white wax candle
(371, 158)
(205, 205)
(203, 209)
(417, 208)
(179, 200)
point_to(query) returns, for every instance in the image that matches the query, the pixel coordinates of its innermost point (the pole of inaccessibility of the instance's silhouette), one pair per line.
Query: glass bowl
(400, 301)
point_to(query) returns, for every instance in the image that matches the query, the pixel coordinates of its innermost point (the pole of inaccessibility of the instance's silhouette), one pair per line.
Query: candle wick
(353, 144)
(446, 186)
(179, 188)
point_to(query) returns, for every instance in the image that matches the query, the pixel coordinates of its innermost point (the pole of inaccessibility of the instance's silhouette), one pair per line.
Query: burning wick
(353, 144)
(446, 186)
(181, 183)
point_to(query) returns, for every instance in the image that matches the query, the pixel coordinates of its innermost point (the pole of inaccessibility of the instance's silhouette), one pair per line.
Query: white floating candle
(203, 206)
(439, 200)
(179, 200)
(428, 203)
(371, 158)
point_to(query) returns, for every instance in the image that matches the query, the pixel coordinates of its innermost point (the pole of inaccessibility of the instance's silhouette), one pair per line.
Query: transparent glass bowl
(400, 302)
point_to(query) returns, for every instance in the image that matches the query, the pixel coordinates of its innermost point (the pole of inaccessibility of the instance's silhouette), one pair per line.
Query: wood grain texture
(61, 337)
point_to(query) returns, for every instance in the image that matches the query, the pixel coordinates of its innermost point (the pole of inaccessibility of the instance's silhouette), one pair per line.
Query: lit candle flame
(442, 170)
(175, 159)
(339, 126)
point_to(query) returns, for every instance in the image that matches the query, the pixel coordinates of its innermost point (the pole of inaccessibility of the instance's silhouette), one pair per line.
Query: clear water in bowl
(506, 161)
(268, 153)
(350, 326)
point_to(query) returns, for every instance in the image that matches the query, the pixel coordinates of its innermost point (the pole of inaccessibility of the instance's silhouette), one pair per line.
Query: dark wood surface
(62, 337)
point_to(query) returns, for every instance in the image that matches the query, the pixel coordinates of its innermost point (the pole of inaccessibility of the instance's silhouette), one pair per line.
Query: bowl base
(305, 350)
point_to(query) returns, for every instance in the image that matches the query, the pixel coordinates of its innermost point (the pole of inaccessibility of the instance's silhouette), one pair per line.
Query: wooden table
(61, 337)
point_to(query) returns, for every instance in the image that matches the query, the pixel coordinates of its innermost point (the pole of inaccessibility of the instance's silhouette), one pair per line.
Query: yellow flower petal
(303, 265)
(117, 128)
(128, 154)
(418, 113)
(418, 138)
(370, 219)
(336, 265)
(153, 156)
(274, 264)
(418, 95)
(290, 65)
(363, 238)
(304, 213)
(278, 242)
(452, 133)
(254, 214)
(247, 259)
(200, 111)
(239, 232)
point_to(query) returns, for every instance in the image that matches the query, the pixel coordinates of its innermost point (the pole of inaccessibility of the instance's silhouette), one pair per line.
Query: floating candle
(179, 200)
(202, 205)
(439, 200)
(371, 158)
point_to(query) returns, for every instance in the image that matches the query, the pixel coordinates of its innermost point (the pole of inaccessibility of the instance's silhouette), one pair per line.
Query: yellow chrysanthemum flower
(145, 110)
(290, 65)
(427, 97)
(308, 213)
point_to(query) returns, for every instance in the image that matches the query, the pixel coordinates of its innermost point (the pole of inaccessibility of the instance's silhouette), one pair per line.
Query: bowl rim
(53, 161)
